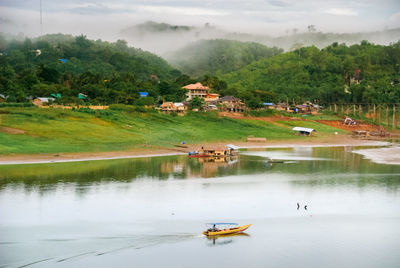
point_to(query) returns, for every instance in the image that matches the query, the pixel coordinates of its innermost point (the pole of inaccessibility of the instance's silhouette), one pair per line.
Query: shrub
(16, 104)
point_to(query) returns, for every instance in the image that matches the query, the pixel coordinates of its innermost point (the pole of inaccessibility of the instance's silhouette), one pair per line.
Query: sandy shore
(90, 156)
(389, 155)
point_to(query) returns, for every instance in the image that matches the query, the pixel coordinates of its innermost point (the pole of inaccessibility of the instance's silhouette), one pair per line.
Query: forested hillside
(115, 73)
(219, 56)
(364, 73)
(62, 64)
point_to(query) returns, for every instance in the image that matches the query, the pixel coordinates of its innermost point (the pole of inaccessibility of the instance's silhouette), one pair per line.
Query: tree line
(110, 73)
(66, 65)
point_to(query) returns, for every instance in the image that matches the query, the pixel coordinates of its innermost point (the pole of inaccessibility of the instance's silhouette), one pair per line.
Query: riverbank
(51, 131)
(339, 140)
(390, 155)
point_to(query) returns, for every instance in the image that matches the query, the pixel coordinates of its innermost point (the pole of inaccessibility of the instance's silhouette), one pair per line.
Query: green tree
(196, 103)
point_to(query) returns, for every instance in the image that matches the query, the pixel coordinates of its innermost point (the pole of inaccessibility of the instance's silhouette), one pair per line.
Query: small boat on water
(222, 228)
(196, 154)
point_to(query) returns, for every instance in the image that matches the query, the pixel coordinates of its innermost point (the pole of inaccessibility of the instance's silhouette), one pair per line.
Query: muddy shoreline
(14, 159)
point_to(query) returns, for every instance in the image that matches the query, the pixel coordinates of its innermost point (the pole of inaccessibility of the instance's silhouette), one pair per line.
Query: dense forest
(66, 65)
(115, 73)
(363, 73)
(218, 56)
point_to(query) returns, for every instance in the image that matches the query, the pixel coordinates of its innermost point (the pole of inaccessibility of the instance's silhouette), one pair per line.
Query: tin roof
(303, 129)
(228, 98)
(45, 99)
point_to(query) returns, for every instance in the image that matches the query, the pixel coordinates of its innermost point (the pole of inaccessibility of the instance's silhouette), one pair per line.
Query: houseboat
(215, 151)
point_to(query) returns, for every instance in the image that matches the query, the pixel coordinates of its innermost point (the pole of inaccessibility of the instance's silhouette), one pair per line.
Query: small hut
(303, 131)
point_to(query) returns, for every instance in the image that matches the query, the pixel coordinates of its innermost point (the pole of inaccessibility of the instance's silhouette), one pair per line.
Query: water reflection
(315, 166)
(220, 240)
(126, 212)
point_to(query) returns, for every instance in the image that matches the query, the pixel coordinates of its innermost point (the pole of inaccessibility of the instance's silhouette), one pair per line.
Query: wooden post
(342, 108)
(379, 113)
(374, 113)
(354, 109)
(330, 107)
(335, 108)
(360, 110)
(394, 125)
(387, 115)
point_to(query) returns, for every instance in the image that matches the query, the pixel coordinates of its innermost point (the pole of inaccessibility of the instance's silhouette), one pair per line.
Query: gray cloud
(278, 3)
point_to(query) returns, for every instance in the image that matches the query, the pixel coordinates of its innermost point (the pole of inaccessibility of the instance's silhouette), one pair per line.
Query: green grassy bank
(125, 128)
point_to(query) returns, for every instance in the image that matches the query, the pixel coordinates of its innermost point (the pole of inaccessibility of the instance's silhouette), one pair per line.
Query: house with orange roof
(211, 97)
(196, 90)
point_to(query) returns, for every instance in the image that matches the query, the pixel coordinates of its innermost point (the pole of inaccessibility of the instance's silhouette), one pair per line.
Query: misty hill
(154, 27)
(107, 72)
(162, 38)
(321, 40)
(218, 56)
(363, 73)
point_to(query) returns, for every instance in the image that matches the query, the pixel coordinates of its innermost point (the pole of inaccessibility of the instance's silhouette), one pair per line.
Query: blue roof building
(144, 94)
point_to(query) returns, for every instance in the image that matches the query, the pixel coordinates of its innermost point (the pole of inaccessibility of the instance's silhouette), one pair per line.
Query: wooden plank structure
(215, 151)
(383, 113)
(254, 139)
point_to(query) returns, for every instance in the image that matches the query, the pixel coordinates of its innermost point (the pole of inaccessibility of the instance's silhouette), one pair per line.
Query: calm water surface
(150, 212)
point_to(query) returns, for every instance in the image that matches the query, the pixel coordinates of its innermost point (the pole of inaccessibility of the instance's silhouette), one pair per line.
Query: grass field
(57, 130)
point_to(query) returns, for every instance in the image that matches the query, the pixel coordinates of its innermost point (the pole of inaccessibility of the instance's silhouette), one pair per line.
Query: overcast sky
(104, 18)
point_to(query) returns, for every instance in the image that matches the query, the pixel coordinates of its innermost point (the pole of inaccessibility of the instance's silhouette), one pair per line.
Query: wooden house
(219, 151)
(231, 104)
(215, 151)
(177, 107)
(41, 101)
(282, 107)
(196, 90)
(269, 105)
(302, 109)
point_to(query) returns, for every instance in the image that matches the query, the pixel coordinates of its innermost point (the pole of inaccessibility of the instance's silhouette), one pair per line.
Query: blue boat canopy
(222, 223)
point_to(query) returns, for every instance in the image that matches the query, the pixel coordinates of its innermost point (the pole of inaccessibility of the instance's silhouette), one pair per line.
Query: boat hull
(228, 231)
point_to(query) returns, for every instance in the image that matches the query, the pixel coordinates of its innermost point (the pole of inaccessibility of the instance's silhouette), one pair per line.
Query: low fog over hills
(218, 56)
(161, 38)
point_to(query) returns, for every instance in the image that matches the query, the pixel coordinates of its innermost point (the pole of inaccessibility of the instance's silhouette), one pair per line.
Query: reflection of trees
(45, 177)
(48, 177)
(343, 168)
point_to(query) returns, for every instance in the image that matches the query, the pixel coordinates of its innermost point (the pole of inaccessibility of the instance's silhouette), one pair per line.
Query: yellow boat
(219, 231)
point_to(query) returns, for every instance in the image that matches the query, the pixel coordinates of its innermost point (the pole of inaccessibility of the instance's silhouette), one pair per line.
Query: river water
(150, 212)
